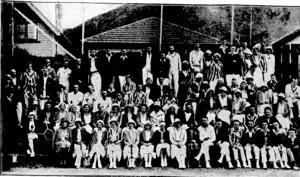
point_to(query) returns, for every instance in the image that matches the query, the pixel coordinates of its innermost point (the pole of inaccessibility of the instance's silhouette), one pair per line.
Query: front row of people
(263, 144)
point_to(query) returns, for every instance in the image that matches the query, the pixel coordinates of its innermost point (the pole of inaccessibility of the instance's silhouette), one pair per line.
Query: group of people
(217, 109)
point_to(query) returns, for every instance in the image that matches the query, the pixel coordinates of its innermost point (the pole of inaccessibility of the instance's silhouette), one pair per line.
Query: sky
(72, 12)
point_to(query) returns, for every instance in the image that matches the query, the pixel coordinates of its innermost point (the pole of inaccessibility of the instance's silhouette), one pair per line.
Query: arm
(190, 60)
(182, 143)
(137, 138)
(179, 63)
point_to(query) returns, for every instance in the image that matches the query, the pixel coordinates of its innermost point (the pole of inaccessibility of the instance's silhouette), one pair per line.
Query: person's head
(232, 49)
(100, 107)
(123, 51)
(139, 87)
(252, 109)
(90, 88)
(294, 81)
(108, 51)
(78, 62)
(48, 106)
(171, 49)
(30, 66)
(48, 62)
(273, 77)
(189, 90)
(93, 53)
(111, 86)
(292, 132)
(66, 63)
(217, 57)
(78, 124)
(76, 88)
(234, 82)
(249, 80)
(162, 126)
(264, 125)
(129, 108)
(73, 108)
(276, 125)
(148, 81)
(128, 79)
(62, 106)
(224, 41)
(63, 123)
(32, 116)
(245, 45)
(147, 126)
(264, 88)
(210, 93)
(189, 107)
(177, 123)
(144, 108)
(243, 84)
(198, 77)
(131, 124)
(268, 112)
(115, 108)
(269, 50)
(223, 91)
(162, 55)
(104, 93)
(255, 50)
(119, 95)
(86, 108)
(250, 124)
(204, 121)
(149, 49)
(185, 65)
(45, 72)
(99, 124)
(197, 46)
(237, 94)
(171, 110)
(219, 123)
(113, 123)
(13, 73)
(236, 124)
(281, 97)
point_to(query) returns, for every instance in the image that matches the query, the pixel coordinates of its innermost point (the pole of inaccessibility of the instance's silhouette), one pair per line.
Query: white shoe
(208, 165)
(265, 166)
(287, 166)
(296, 167)
(282, 165)
(230, 166)
(275, 165)
(219, 161)
(32, 154)
(245, 164)
(257, 165)
(28, 152)
(94, 166)
(238, 164)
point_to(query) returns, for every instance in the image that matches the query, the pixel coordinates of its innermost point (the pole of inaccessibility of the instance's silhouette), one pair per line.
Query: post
(251, 21)
(82, 34)
(232, 25)
(160, 27)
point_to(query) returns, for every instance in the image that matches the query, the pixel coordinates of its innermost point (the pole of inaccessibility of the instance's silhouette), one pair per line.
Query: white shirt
(187, 116)
(148, 61)
(44, 86)
(31, 123)
(208, 132)
(157, 117)
(143, 118)
(223, 101)
(196, 59)
(270, 58)
(87, 118)
(292, 93)
(75, 98)
(93, 65)
(78, 135)
(147, 134)
(174, 61)
(63, 75)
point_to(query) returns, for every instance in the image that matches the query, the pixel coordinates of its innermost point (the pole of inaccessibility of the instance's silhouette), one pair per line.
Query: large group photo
(137, 87)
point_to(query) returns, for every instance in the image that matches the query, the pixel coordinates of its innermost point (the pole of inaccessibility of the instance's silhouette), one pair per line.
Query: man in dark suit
(106, 68)
(152, 90)
(45, 88)
(123, 67)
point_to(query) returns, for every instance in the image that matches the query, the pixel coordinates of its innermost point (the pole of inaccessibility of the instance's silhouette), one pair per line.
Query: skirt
(62, 144)
(147, 150)
(129, 152)
(161, 146)
(176, 151)
(98, 149)
(114, 149)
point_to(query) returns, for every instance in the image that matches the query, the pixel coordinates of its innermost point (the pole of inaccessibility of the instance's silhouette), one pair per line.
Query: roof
(290, 36)
(146, 31)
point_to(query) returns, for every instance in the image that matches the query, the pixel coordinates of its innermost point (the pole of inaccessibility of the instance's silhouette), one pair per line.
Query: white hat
(78, 120)
(223, 89)
(177, 120)
(269, 48)
(156, 103)
(131, 122)
(199, 75)
(100, 121)
(162, 124)
(247, 51)
(281, 95)
(147, 123)
(113, 120)
(32, 113)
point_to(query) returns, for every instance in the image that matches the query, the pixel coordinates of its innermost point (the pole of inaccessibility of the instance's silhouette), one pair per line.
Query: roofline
(286, 36)
(90, 42)
(156, 19)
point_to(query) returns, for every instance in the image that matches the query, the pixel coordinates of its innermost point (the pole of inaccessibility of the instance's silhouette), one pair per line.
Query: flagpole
(160, 27)
(82, 35)
(232, 25)
(251, 21)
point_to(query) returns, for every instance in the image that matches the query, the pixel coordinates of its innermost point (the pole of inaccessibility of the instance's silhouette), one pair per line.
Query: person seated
(187, 116)
(97, 145)
(178, 138)
(233, 87)
(238, 107)
(90, 97)
(147, 147)
(156, 116)
(61, 142)
(115, 114)
(61, 113)
(32, 128)
(128, 115)
(101, 114)
(80, 140)
(263, 99)
(47, 115)
(161, 140)
(292, 144)
(86, 117)
(278, 151)
(208, 107)
(251, 89)
(170, 101)
(262, 141)
(73, 115)
(111, 90)
(248, 141)
(223, 101)
(75, 97)
(105, 101)
(267, 117)
(190, 97)
(152, 91)
(251, 116)
(206, 136)
(36, 109)
(192, 143)
(235, 136)
(243, 90)
(131, 140)
(129, 88)
(114, 139)
(282, 112)
(292, 94)
(142, 117)
(170, 117)
(119, 100)
(222, 142)
(139, 98)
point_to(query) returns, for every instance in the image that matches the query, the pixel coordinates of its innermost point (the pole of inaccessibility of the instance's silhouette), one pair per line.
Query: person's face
(62, 107)
(140, 87)
(119, 96)
(100, 107)
(76, 88)
(123, 52)
(252, 109)
(236, 125)
(232, 49)
(292, 133)
(149, 81)
(218, 124)
(93, 53)
(162, 127)
(130, 125)
(45, 72)
(86, 108)
(204, 121)
(149, 49)
(48, 62)
(224, 42)
(78, 62)
(115, 109)
(143, 109)
(237, 95)
(30, 66)
(13, 73)
(294, 82)
(73, 108)
(31, 117)
(223, 93)
(255, 51)
(189, 90)
(111, 86)
(177, 125)
(90, 88)
(48, 106)
(147, 127)
(216, 58)
(268, 51)
(268, 113)
(171, 49)
(77, 125)
(243, 85)
(104, 94)
(245, 44)
(276, 125)
(273, 77)
(250, 125)
(162, 56)
(99, 125)
(161, 80)
(189, 107)
(265, 125)
(66, 64)
(128, 79)
(233, 82)
(156, 108)
(108, 51)
(64, 124)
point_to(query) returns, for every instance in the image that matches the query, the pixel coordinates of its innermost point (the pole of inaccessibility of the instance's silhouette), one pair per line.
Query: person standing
(45, 88)
(174, 69)
(196, 59)
(233, 66)
(123, 67)
(75, 97)
(51, 71)
(64, 74)
(107, 69)
(270, 62)
(214, 71)
(147, 65)
(292, 94)
(95, 77)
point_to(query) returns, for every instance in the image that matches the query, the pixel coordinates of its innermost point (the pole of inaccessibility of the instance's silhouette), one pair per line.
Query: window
(26, 33)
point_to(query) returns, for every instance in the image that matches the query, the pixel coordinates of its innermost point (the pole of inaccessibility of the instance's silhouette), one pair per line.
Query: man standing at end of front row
(174, 69)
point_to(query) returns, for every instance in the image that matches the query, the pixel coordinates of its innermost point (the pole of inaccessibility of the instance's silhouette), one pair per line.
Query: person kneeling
(131, 141)
(178, 138)
(146, 139)
(98, 139)
(80, 140)
(207, 136)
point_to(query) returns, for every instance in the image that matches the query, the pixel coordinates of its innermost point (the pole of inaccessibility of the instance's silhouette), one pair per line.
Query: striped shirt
(213, 71)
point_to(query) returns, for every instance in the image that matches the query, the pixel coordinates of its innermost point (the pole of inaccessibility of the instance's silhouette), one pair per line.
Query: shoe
(287, 166)
(110, 166)
(296, 167)
(238, 164)
(257, 166)
(94, 166)
(208, 165)
(28, 152)
(249, 164)
(282, 165)
(219, 161)
(264, 166)
(230, 166)
(32, 154)
(245, 164)
(275, 165)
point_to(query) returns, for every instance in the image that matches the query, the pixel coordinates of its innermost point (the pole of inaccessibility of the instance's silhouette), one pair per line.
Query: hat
(113, 120)
(223, 89)
(131, 122)
(247, 51)
(208, 52)
(243, 81)
(64, 120)
(156, 103)
(256, 46)
(177, 121)
(185, 62)
(147, 123)
(238, 91)
(78, 120)
(199, 75)
(129, 105)
(217, 55)
(263, 86)
(197, 45)
(269, 48)
(100, 121)
(162, 124)
(35, 102)
(205, 82)
(115, 105)
(32, 113)
(281, 95)
(249, 76)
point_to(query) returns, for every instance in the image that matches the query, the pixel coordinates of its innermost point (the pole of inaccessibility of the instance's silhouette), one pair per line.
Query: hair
(268, 108)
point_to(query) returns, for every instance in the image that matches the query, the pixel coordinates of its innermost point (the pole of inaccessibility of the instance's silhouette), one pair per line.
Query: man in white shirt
(174, 69)
(292, 94)
(196, 59)
(207, 136)
(147, 70)
(64, 74)
(75, 97)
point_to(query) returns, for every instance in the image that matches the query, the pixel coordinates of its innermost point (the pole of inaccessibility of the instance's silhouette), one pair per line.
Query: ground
(154, 172)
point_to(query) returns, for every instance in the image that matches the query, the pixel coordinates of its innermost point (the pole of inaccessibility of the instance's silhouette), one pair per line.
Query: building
(287, 55)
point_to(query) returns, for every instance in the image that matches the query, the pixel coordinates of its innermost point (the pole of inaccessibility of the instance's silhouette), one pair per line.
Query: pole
(232, 25)
(160, 27)
(82, 35)
(12, 28)
(251, 21)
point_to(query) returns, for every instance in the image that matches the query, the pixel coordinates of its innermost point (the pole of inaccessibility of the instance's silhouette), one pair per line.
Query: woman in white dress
(114, 151)
(258, 66)
(270, 59)
(147, 147)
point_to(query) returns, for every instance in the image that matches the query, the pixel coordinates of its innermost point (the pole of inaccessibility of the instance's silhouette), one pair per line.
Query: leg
(236, 157)
(241, 150)
(176, 83)
(263, 152)
(272, 157)
(256, 153)
(248, 154)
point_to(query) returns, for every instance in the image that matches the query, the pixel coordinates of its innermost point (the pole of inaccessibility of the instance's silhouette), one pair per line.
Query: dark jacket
(85, 137)
(246, 139)
(222, 134)
(125, 120)
(157, 137)
(288, 143)
(191, 120)
(154, 92)
(276, 139)
(262, 138)
(104, 116)
(143, 137)
(50, 91)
